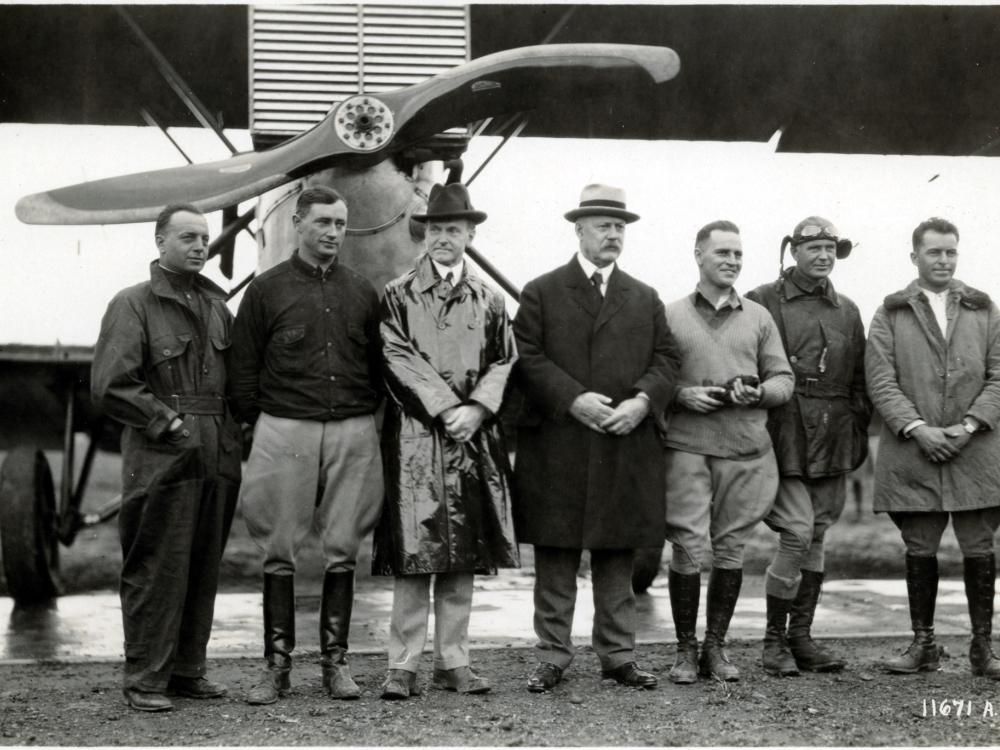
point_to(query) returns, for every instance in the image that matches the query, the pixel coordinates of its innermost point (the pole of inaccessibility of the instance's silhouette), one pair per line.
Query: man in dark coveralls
(819, 436)
(596, 364)
(306, 372)
(160, 369)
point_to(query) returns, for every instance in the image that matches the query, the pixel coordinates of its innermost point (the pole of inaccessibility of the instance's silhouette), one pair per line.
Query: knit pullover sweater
(746, 342)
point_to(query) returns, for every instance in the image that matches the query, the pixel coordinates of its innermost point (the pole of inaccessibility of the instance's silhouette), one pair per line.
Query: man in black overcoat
(596, 364)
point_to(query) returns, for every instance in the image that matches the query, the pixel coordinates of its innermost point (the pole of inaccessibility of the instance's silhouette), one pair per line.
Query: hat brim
(476, 217)
(617, 213)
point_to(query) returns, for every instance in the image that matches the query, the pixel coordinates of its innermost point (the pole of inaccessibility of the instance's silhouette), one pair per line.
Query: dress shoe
(195, 687)
(399, 684)
(460, 680)
(141, 701)
(544, 677)
(630, 675)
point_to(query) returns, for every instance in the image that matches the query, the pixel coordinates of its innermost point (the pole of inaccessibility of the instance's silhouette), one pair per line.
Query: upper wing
(365, 130)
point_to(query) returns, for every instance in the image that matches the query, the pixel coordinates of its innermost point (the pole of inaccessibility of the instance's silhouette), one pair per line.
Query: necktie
(447, 285)
(597, 281)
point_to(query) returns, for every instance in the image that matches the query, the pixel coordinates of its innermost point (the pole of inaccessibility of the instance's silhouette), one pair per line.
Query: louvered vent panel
(306, 58)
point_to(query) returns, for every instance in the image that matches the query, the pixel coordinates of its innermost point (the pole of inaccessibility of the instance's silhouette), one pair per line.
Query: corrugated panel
(306, 58)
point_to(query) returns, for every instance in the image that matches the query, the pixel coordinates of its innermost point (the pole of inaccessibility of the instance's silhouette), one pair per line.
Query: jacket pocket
(166, 348)
(287, 349)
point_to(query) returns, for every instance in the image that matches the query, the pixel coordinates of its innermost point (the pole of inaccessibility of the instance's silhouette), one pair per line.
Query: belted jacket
(822, 430)
(157, 359)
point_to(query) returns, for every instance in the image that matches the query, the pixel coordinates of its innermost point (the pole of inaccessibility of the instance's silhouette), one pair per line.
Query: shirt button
(205, 370)
(332, 410)
(442, 326)
(166, 352)
(329, 343)
(333, 377)
(186, 433)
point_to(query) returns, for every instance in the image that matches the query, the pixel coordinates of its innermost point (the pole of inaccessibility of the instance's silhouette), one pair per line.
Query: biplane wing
(366, 129)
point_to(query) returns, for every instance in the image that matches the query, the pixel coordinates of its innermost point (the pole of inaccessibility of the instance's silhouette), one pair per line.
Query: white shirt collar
(589, 268)
(455, 270)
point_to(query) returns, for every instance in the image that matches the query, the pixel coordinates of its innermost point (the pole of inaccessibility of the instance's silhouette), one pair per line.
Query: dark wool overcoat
(822, 430)
(917, 371)
(448, 504)
(576, 488)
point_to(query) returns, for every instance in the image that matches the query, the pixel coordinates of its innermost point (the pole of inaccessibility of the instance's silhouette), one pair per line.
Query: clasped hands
(594, 410)
(941, 444)
(462, 422)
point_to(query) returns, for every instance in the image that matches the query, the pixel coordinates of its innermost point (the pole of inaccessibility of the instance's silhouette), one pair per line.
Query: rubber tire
(645, 567)
(28, 527)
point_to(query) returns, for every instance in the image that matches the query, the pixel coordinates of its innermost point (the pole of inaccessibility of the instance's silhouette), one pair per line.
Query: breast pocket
(164, 356)
(287, 349)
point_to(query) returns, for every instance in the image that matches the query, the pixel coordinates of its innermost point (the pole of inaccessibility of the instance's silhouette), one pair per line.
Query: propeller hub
(364, 123)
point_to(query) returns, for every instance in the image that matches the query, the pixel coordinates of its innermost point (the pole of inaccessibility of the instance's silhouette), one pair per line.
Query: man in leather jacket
(819, 436)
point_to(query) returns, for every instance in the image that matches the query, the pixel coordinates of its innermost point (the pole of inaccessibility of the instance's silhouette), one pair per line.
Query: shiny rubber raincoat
(448, 505)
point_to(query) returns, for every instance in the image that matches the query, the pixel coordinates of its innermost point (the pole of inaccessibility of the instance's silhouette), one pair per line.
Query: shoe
(630, 675)
(141, 701)
(723, 591)
(685, 591)
(809, 656)
(337, 679)
(922, 655)
(460, 680)
(195, 687)
(544, 677)
(399, 684)
(274, 684)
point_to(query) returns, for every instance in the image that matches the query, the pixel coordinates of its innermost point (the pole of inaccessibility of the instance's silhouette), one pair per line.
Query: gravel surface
(81, 704)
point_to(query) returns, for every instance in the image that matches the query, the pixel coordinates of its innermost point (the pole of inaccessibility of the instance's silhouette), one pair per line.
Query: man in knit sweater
(722, 476)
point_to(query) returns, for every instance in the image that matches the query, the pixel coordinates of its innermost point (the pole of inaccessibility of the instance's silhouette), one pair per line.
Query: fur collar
(967, 296)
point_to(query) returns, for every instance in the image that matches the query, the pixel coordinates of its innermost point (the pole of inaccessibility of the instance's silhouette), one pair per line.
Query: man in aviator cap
(447, 350)
(819, 436)
(596, 363)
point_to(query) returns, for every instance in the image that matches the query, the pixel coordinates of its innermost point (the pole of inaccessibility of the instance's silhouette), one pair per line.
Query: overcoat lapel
(581, 291)
(616, 297)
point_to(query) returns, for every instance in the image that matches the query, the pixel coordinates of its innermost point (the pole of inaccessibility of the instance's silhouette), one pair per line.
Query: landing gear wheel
(645, 567)
(28, 527)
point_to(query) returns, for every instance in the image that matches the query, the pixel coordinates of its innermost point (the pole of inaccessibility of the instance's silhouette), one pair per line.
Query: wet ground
(88, 627)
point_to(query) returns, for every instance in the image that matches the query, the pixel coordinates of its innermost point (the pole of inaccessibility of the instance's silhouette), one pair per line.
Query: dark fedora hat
(450, 202)
(602, 200)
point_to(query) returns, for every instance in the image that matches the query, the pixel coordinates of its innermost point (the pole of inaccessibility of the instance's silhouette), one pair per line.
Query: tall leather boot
(922, 655)
(980, 587)
(685, 591)
(279, 640)
(776, 657)
(723, 591)
(809, 655)
(334, 625)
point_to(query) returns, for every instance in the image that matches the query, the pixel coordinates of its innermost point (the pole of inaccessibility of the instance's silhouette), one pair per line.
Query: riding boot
(809, 655)
(723, 591)
(685, 591)
(922, 655)
(776, 657)
(279, 639)
(334, 624)
(980, 587)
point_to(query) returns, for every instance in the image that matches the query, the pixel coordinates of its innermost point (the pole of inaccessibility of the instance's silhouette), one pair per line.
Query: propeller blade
(365, 129)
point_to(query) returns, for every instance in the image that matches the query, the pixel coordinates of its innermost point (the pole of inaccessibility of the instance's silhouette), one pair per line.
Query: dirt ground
(80, 704)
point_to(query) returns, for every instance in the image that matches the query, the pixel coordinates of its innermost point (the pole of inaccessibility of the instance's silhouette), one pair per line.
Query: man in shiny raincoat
(819, 436)
(448, 350)
(160, 369)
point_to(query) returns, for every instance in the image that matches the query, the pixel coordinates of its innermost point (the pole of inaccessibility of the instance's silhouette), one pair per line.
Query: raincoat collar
(162, 287)
(427, 277)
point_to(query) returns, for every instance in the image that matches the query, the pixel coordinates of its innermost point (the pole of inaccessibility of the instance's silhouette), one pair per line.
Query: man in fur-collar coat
(933, 370)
